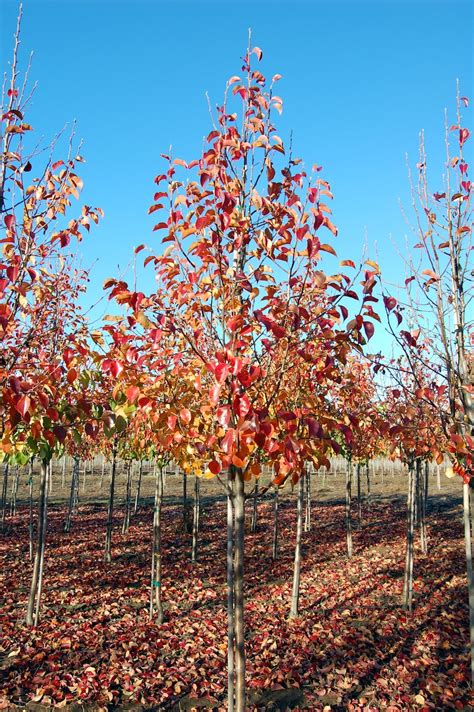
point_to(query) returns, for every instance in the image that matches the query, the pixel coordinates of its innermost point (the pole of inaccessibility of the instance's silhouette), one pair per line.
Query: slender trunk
(438, 477)
(253, 527)
(139, 484)
(416, 509)
(185, 502)
(72, 494)
(240, 705)
(156, 603)
(194, 550)
(30, 522)
(126, 518)
(110, 513)
(32, 615)
(50, 478)
(467, 495)
(101, 482)
(230, 599)
(63, 472)
(367, 475)
(295, 593)
(14, 491)
(420, 476)
(348, 507)
(307, 516)
(426, 485)
(275, 526)
(6, 468)
(407, 596)
(359, 499)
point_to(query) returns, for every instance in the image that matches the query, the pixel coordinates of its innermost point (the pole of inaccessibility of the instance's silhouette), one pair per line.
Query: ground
(351, 648)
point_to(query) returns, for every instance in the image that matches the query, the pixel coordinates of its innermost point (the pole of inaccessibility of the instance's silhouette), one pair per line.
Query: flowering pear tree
(242, 292)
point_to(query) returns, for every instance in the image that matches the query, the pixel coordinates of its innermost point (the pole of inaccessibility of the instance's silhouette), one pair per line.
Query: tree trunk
(230, 599)
(185, 502)
(14, 492)
(126, 518)
(359, 499)
(63, 472)
(110, 514)
(253, 527)
(240, 705)
(307, 516)
(295, 594)
(194, 550)
(102, 473)
(420, 476)
(407, 596)
(72, 494)
(426, 485)
(367, 475)
(139, 484)
(32, 615)
(348, 507)
(275, 526)
(156, 603)
(467, 495)
(30, 522)
(50, 478)
(6, 468)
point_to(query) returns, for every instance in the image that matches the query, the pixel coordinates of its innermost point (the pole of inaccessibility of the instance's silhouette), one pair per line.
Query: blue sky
(359, 80)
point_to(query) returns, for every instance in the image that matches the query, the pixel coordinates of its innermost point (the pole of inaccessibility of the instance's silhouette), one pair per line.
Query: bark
(467, 495)
(194, 550)
(230, 599)
(185, 502)
(240, 705)
(295, 594)
(139, 484)
(275, 526)
(126, 518)
(420, 476)
(367, 475)
(253, 526)
(14, 491)
(307, 516)
(30, 522)
(407, 596)
(6, 468)
(32, 615)
(102, 473)
(110, 513)
(73, 494)
(348, 507)
(426, 485)
(359, 499)
(156, 602)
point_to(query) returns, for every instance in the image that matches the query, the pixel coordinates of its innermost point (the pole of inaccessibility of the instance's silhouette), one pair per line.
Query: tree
(246, 302)
(438, 298)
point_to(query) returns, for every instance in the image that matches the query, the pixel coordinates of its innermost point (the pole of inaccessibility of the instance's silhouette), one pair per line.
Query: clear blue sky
(360, 79)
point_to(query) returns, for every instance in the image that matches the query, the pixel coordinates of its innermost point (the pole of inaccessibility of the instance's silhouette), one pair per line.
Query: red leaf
(369, 329)
(185, 415)
(214, 467)
(132, 393)
(9, 221)
(463, 136)
(23, 405)
(241, 405)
